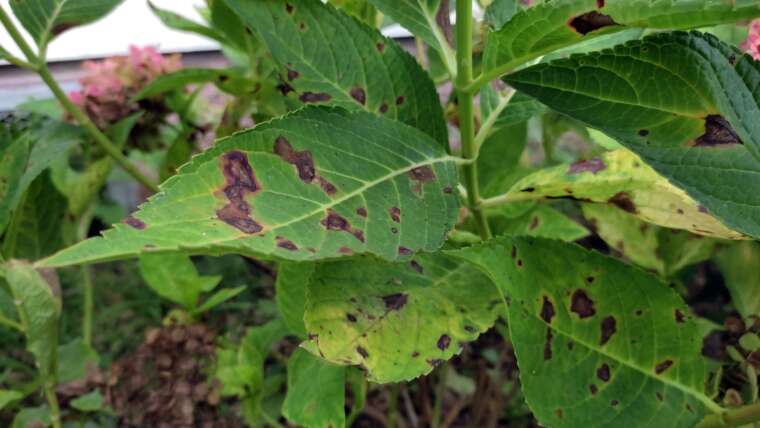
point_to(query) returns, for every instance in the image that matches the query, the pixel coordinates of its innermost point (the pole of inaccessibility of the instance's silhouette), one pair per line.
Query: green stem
(732, 418)
(439, 395)
(87, 304)
(52, 399)
(485, 129)
(466, 114)
(17, 37)
(505, 199)
(11, 324)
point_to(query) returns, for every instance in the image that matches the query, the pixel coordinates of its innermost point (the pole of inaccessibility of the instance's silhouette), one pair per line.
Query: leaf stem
(11, 324)
(17, 37)
(732, 418)
(52, 399)
(466, 115)
(87, 303)
(505, 199)
(485, 129)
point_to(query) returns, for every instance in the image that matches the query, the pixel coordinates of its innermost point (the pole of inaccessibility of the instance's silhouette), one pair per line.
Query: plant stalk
(55, 409)
(466, 114)
(17, 37)
(732, 418)
(87, 304)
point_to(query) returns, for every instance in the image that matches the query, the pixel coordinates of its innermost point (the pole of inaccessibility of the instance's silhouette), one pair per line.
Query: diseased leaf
(320, 183)
(540, 221)
(316, 392)
(226, 80)
(739, 264)
(620, 342)
(556, 24)
(686, 103)
(179, 22)
(173, 276)
(292, 282)
(328, 57)
(398, 321)
(499, 12)
(46, 19)
(362, 10)
(620, 178)
(31, 416)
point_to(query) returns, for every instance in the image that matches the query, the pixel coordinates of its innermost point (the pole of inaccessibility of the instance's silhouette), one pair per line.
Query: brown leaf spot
(448, 190)
(680, 318)
(548, 345)
(443, 342)
(380, 47)
(384, 108)
(593, 389)
(395, 213)
(661, 367)
(286, 244)
(609, 327)
(292, 74)
(326, 186)
(359, 95)
(591, 21)
(415, 354)
(592, 165)
(614, 403)
(514, 251)
(289, 8)
(558, 412)
(603, 373)
(302, 160)
(134, 222)
(659, 396)
(394, 230)
(589, 279)
(404, 251)
(718, 132)
(240, 181)
(311, 97)
(643, 132)
(534, 223)
(345, 250)
(600, 3)
(547, 310)
(396, 301)
(400, 100)
(416, 266)
(423, 174)
(582, 305)
(351, 317)
(285, 88)
(358, 234)
(361, 212)
(528, 190)
(361, 351)
(623, 201)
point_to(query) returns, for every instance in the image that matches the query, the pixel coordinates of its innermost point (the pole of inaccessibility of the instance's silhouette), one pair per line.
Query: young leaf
(320, 183)
(552, 25)
(91, 402)
(218, 298)
(686, 103)
(362, 10)
(8, 396)
(739, 264)
(330, 58)
(541, 221)
(173, 276)
(292, 282)
(226, 80)
(619, 341)
(316, 392)
(76, 360)
(398, 321)
(46, 19)
(620, 178)
(179, 22)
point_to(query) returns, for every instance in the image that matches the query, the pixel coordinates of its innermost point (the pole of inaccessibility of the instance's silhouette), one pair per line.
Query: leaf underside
(319, 183)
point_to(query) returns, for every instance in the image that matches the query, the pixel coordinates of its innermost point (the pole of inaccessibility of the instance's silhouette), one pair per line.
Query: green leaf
(620, 178)
(661, 250)
(91, 402)
(499, 12)
(76, 360)
(31, 417)
(320, 183)
(46, 19)
(398, 321)
(223, 20)
(360, 9)
(174, 277)
(541, 221)
(8, 396)
(227, 80)
(179, 22)
(292, 282)
(328, 57)
(38, 310)
(316, 392)
(552, 25)
(218, 298)
(738, 263)
(619, 341)
(686, 103)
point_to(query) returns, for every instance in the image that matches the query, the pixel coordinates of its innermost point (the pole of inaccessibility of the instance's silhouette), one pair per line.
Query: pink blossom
(752, 44)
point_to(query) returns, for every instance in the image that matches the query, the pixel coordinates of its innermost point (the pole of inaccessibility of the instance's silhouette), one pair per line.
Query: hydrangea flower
(752, 44)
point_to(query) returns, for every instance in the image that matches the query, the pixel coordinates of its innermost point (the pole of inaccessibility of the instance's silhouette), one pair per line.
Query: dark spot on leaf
(718, 132)
(658, 395)
(609, 327)
(285, 88)
(302, 26)
(443, 342)
(639, 312)
(689, 408)
(592, 165)
(519, 262)
(600, 3)
(534, 223)
(394, 230)
(337, 222)
(593, 389)
(547, 310)
(292, 74)
(548, 345)
(311, 250)
(528, 190)
(469, 329)
(311, 97)
(396, 301)
(582, 305)
(416, 266)
(359, 234)
(680, 318)
(134, 222)
(359, 95)
(302, 160)
(395, 213)
(60, 28)
(363, 352)
(380, 47)
(591, 21)
(384, 108)
(240, 181)
(514, 251)
(415, 354)
(614, 403)
(732, 59)
(434, 362)
(448, 190)
(400, 100)
(570, 345)
(423, 174)
(643, 132)
(623, 201)
(288, 7)
(589, 279)
(326, 186)
(603, 373)
(223, 78)
(351, 317)
(286, 244)
(701, 208)
(361, 212)
(558, 412)
(661, 367)
(404, 251)
(679, 211)
(345, 250)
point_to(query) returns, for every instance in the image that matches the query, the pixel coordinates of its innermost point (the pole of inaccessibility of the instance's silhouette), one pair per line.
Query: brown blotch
(285, 88)
(592, 165)
(600, 3)
(680, 318)
(60, 28)
(359, 95)
(380, 47)
(534, 223)
(659, 396)
(312, 97)
(547, 310)
(623, 201)
(519, 262)
(416, 266)
(415, 354)
(394, 230)
(326, 186)
(396, 301)
(134, 222)
(289, 8)
(660, 368)
(358, 234)
(609, 327)
(240, 182)
(351, 317)
(423, 174)
(286, 244)
(361, 351)
(639, 312)
(528, 190)
(582, 305)
(345, 250)
(443, 342)
(384, 108)
(593, 389)
(558, 412)
(337, 222)
(614, 403)
(302, 160)
(591, 21)
(361, 212)
(603, 373)
(643, 132)
(400, 100)
(448, 190)
(718, 132)
(292, 74)
(548, 345)
(589, 279)
(514, 251)
(395, 213)
(404, 251)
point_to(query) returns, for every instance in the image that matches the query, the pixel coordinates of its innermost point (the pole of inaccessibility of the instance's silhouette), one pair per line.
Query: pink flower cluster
(109, 85)
(752, 44)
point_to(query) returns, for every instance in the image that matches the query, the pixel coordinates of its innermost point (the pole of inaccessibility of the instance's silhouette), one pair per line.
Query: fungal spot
(582, 305)
(434, 362)
(351, 317)
(448, 190)
(661, 367)
(396, 301)
(732, 59)
(591, 21)
(400, 100)
(528, 190)
(302, 160)
(422, 174)
(614, 403)
(570, 345)
(547, 310)
(415, 354)
(361, 212)
(134, 222)
(358, 234)
(534, 223)
(659, 396)
(286, 244)
(326, 186)
(384, 108)
(443, 342)
(680, 318)
(558, 412)
(469, 329)
(302, 26)
(312, 97)
(679, 211)
(359, 95)
(289, 8)
(548, 345)
(336, 222)
(718, 132)
(345, 250)
(292, 74)
(380, 47)
(361, 351)
(603, 373)
(404, 251)
(416, 266)
(394, 230)
(609, 327)
(623, 201)
(514, 251)
(223, 78)
(593, 389)
(395, 213)
(639, 312)
(592, 165)
(519, 262)
(589, 279)
(643, 132)
(701, 208)
(240, 182)
(285, 88)
(600, 3)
